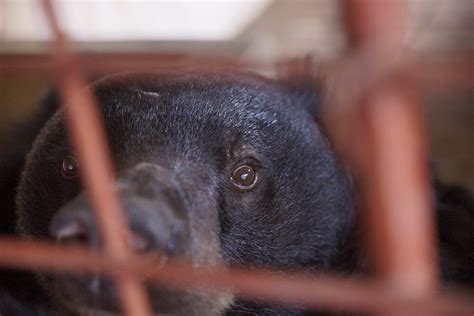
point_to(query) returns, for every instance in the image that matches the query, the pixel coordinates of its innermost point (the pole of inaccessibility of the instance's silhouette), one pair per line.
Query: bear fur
(188, 131)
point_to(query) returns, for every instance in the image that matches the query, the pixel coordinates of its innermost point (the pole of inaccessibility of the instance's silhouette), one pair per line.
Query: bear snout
(151, 203)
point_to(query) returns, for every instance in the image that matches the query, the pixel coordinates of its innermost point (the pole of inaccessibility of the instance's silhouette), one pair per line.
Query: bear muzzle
(158, 221)
(153, 207)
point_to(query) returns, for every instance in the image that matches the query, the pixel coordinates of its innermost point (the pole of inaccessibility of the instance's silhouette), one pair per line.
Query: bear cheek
(41, 194)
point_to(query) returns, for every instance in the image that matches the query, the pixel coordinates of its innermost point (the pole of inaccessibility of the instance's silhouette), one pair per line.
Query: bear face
(215, 168)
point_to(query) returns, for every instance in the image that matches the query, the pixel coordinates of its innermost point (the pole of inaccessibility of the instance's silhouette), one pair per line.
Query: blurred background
(258, 32)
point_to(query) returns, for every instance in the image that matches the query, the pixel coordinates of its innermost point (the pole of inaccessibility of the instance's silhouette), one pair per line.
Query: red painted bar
(398, 215)
(96, 166)
(326, 291)
(394, 176)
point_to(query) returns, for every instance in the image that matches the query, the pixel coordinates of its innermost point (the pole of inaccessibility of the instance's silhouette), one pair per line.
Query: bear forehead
(201, 101)
(196, 112)
(200, 94)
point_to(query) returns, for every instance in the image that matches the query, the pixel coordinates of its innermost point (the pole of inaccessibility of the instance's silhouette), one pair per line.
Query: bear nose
(152, 226)
(152, 205)
(77, 232)
(74, 232)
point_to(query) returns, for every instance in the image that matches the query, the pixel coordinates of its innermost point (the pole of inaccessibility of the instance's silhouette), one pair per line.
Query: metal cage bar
(97, 173)
(398, 213)
(390, 160)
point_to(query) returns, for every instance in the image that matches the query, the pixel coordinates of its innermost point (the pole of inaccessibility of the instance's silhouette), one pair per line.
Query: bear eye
(70, 167)
(244, 176)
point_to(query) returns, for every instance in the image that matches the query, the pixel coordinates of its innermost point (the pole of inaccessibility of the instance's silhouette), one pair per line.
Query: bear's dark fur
(176, 139)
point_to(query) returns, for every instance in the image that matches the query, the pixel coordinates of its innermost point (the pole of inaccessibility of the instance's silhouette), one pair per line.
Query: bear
(214, 167)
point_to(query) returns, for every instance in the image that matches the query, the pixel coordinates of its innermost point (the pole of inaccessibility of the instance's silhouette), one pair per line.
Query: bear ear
(49, 103)
(303, 81)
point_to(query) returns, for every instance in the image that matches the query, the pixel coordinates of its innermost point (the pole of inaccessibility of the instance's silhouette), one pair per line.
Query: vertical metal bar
(399, 215)
(88, 136)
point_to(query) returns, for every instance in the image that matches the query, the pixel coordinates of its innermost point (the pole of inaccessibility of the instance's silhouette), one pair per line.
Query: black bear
(214, 167)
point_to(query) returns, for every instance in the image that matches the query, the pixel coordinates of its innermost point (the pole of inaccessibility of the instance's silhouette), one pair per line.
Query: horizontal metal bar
(322, 291)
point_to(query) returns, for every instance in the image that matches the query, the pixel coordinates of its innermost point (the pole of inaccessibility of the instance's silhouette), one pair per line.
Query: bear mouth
(91, 311)
(85, 311)
(77, 301)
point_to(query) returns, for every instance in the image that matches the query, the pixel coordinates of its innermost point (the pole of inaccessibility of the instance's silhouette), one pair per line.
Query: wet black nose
(75, 231)
(152, 205)
(151, 227)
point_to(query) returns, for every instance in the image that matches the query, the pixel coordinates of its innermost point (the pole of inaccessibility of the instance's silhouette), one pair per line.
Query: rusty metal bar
(447, 74)
(393, 173)
(399, 217)
(96, 166)
(107, 63)
(326, 291)
(399, 213)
